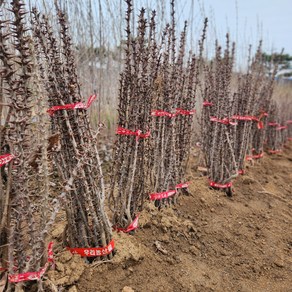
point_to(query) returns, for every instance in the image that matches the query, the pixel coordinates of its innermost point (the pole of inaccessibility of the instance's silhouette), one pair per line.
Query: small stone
(160, 248)
(73, 289)
(194, 250)
(212, 210)
(128, 289)
(279, 263)
(223, 253)
(203, 200)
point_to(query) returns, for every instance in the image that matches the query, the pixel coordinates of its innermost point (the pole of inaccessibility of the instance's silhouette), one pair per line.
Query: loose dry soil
(207, 242)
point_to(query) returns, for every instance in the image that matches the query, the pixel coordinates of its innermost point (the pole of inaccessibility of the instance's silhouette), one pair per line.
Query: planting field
(207, 242)
(194, 194)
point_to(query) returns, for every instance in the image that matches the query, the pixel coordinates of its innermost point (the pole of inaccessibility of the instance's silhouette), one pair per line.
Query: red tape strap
(207, 103)
(132, 226)
(78, 105)
(273, 124)
(263, 114)
(261, 155)
(5, 158)
(137, 133)
(241, 171)
(220, 186)
(161, 113)
(260, 124)
(243, 118)
(289, 138)
(93, 251)
(182, 185)
(180, 111)
(289, 122)
(258, 156)
(281, 128)
(167, 194)
(224, 121)
(30, 276)
(162, 195)
(255, 119)
(275, 151)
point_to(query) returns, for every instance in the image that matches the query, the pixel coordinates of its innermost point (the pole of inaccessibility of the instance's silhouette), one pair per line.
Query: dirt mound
(207, 242)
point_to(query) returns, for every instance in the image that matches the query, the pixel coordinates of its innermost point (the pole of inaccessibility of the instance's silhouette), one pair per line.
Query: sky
(247, 21)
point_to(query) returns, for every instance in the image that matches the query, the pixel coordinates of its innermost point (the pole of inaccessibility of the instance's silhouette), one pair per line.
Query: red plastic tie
(253, 118)
(281, 128)
(161, 113)
(243, 118)
(5, 158)
(273, 124)
(78, 105)
(241, 171)
(224, 121)
(132, 226)
(93, 251)
(182, 185)
(167, 194)
(220, 186)
(162, 195)
(207, 103)
(137, 133)
(180, 111)
(289, 122)
(260, 124)
(263, 114)
(257, 156)
(275, 151)
(30, 276)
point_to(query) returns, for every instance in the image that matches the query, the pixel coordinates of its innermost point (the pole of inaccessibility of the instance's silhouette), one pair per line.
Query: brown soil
(207, 242)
